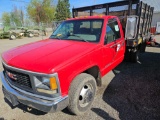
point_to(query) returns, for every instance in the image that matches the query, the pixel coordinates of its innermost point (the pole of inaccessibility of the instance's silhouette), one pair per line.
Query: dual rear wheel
(132, 56)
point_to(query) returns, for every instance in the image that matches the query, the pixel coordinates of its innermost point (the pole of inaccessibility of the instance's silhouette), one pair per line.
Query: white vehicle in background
(158, 27)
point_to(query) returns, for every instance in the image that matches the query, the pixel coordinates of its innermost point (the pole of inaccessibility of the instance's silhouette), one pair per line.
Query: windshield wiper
(55, 37)
(78, 37)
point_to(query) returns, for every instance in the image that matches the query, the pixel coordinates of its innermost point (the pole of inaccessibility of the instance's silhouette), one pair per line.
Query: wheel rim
(86, 95)
(13, 37)
(30, 34)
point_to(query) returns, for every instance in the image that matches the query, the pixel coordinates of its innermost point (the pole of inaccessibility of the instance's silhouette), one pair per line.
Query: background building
(156, 15)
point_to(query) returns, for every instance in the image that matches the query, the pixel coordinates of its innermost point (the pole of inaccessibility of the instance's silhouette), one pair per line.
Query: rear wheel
(12, 37)
(127, 55)
(134, 56)
(22, 35)
(30, 34)
(143, 47)
(81, 93)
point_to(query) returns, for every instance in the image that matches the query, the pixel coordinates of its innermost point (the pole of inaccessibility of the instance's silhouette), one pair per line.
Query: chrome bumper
(16, 97)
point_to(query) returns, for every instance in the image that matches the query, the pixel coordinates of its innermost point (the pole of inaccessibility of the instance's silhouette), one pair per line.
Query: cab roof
(92, 17)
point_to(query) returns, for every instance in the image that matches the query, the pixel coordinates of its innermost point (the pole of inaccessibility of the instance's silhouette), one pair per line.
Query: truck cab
(88, 47)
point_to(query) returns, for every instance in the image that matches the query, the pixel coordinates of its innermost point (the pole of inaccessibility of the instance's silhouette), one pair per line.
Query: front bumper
(16, 97)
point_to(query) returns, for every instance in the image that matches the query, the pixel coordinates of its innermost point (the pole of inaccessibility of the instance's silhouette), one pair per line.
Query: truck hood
(47, 55)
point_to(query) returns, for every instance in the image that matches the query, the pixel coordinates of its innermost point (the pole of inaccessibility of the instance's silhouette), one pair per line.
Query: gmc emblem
(11, 75)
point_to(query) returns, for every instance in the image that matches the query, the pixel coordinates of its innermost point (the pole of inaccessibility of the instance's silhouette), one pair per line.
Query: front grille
(18, 79)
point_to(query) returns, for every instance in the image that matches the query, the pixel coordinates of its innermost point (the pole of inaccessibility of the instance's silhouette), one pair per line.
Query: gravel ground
(129, 92)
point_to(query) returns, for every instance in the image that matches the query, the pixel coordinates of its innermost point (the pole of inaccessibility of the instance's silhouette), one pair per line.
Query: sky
(7, 5)
(81, 3)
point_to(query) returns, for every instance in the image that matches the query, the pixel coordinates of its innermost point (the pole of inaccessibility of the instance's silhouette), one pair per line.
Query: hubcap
(86, 95)
(13, 37)
(31, 35)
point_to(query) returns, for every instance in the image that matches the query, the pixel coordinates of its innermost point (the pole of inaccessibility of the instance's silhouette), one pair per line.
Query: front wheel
(81, 93)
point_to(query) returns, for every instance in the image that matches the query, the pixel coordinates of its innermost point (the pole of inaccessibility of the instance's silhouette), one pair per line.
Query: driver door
(112, 45)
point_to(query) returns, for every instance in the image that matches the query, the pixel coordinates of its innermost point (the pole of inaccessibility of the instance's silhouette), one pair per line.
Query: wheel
(81, 93)
(134, 56)
(153, 44)
(1, 36)
(30, 35)
(143, 47)
(12, 37)
(21, 35)
(127, 56)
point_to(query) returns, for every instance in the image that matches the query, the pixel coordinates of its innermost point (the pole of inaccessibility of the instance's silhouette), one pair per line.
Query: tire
(22, 35)
(134, 56)
(143, 47)
(81, 93)
(1, 36)
(30, 35)
(12, 37)
(127, 56)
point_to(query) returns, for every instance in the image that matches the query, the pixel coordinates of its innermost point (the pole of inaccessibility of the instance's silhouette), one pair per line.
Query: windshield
(79, 30)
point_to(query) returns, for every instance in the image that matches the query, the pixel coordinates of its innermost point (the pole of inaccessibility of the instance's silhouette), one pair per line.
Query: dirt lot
(130, 92)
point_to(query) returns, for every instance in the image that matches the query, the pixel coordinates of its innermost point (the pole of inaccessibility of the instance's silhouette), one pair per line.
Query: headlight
(46, 84)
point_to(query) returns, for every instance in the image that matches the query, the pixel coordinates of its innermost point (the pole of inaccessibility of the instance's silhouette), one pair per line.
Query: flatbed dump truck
(65, 69)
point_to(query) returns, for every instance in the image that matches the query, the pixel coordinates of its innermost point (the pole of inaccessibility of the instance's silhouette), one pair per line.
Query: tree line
(38, 11)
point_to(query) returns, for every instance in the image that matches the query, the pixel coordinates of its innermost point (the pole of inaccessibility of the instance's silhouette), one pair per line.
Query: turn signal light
(53, 83)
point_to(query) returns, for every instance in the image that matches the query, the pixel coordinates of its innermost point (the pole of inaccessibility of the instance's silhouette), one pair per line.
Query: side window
(112, 31)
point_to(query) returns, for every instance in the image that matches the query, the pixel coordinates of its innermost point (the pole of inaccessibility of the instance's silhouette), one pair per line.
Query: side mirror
(131, 27)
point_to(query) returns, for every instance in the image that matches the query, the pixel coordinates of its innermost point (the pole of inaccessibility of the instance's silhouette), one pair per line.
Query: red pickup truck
(64, 70)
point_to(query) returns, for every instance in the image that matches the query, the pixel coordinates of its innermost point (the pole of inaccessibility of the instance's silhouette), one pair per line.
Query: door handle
(118, 47)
